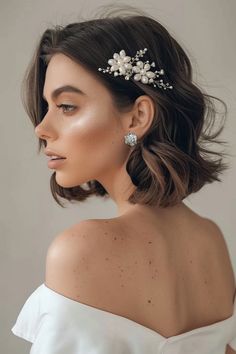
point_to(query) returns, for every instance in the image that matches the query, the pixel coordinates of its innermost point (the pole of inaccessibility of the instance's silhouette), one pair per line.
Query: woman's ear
(141, 116)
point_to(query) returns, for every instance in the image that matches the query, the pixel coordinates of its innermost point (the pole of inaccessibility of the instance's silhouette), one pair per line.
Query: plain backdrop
(29, 216)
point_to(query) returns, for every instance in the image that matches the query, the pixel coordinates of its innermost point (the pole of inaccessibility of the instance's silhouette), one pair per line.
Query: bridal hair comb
(121, 64)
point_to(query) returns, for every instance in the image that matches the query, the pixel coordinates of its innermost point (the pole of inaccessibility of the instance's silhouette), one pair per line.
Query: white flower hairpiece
(121, 64)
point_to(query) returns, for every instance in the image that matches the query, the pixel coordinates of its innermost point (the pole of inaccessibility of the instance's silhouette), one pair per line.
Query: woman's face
(90, 134)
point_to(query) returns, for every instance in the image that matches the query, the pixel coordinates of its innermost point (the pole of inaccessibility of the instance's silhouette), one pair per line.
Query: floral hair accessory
(121, 64)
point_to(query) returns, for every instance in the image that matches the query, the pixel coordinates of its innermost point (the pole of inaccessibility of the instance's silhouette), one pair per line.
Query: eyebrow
(67, 88)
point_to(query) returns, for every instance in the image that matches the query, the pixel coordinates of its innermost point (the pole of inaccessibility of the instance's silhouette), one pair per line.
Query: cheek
(95, 141)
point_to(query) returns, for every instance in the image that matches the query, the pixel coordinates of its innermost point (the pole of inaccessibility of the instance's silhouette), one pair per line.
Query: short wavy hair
(171, 160)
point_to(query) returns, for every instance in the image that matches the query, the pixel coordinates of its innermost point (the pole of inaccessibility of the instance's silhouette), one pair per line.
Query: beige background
(29, 217)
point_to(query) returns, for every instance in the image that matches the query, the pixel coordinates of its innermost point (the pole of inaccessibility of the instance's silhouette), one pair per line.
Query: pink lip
(55, 163)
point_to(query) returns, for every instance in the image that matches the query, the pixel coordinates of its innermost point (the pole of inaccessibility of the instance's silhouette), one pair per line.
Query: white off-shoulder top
(56, 324)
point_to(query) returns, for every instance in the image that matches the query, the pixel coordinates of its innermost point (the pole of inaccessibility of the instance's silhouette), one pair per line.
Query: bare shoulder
(218, 250)
(80, 236)
(216, 238)
(225, 262)
(76, 262)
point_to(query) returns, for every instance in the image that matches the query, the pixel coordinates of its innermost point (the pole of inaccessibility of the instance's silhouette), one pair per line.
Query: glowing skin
(91, 136)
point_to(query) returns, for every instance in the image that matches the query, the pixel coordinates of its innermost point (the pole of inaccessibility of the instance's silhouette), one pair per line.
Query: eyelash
(65, 105)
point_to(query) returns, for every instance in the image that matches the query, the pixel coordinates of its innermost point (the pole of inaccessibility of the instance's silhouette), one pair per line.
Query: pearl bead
(144, 80)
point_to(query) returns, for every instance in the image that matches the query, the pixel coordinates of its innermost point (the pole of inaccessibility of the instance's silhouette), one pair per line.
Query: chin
(67, 183)
(63, 182)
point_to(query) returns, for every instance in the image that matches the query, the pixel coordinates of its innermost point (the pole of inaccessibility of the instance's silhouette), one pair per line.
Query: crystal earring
(131, 139)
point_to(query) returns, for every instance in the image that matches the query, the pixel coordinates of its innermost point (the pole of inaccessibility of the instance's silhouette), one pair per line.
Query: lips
(56, 163)
(53, 155)
(59, 158)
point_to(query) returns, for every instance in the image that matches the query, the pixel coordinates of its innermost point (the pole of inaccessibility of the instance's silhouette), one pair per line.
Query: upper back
(170, 273)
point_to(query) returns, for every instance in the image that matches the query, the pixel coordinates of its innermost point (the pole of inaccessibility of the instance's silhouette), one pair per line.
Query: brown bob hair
(171, 161)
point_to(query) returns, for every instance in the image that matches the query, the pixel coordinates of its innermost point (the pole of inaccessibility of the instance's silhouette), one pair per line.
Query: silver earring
(131, 139)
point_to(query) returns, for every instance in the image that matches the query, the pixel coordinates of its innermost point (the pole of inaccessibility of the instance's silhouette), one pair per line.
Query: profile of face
(89, 132)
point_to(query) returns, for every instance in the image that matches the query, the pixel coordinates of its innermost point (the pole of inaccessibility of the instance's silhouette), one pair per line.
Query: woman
(113, 103)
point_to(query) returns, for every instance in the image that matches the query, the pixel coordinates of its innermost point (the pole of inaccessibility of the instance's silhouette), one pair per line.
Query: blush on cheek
(95, 142)
(96, 152)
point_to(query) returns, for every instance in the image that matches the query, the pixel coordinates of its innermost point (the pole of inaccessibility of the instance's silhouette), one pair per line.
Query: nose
(44, 129)
(39, 131)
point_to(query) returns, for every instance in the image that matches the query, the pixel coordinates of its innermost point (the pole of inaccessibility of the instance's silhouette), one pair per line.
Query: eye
(67, 107)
